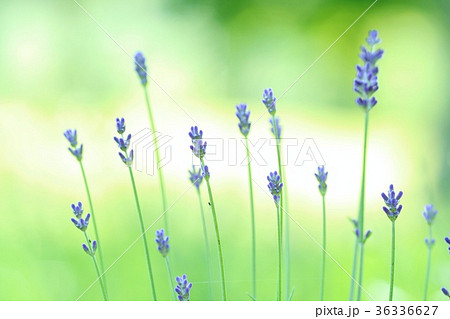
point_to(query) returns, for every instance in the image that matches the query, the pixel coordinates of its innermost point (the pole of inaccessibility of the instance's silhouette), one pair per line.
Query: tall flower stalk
(77, 152)
(198, 148)
(244, 126)
(141, 70)
(196, 178)
(429, 214)
(392, 210)
(162, 242)
(270, 103)
(90, 249)
(321, 177)
(365, 84)
(127, 158)
(275, 186)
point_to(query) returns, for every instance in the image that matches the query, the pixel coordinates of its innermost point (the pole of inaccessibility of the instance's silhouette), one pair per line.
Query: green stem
(283, 190)
(94, 222)
(216, 226)
(144, 238)
(324, 245)
(355, 264)
(427, 276)
(158, 159)
(205, 239)
(169, 272)
(391, 286)
(103, 288)
(279, 252)
(252, 217)
(287, 248)
(361, 206)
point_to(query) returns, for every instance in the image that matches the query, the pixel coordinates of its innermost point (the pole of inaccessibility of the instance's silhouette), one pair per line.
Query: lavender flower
(123, 144)
(205, 172)
(243, 116)
(163, 242)
(90, 252)
(195, 176)
(198, 147)
(269, 101)
(447, 240)
(275, 186)
(71, 136)
(140, 67)
(366, 82)
(278, 127)
(183, 288)
(81, 223)
(429, 213)
(393, 209)
(445, 292)
(77, 209)
(321, 177)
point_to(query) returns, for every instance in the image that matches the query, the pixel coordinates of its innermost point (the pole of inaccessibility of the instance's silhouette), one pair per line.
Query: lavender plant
(321, 177)
(198, 148)
(429, 214)
(162, 242)
(392, 210)
(244, 126)
(275, 187)
(365, 84)
(196, 178)
(270, 102)
(77, 152)
(141, 70)
(90, 249)
(127, 158)
(183, 288)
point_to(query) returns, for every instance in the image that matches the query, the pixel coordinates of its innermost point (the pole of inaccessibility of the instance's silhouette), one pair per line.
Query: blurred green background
(59, 70)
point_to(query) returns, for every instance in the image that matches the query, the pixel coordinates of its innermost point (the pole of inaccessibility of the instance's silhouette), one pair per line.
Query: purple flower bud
(140, 67)
(392, 208)
(269, 101)
(243, 116)
(275, 185)
(183, 288)
(77, 209)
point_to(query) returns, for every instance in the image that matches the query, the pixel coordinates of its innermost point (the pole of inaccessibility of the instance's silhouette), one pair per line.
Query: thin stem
(355, 264)
(103, 288)
(427, 276)
(361, 205)
(252, 217)
(391, 286)
(169, 272)
(279, 252)
(205, 239)
(94, 222)
(283, 190)
(144, 238)
(287, 248)
(158, 159)
(216, 226)
(324, 246)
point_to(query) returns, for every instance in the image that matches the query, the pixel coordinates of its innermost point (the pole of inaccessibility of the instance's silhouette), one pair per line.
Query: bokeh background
(59, 70)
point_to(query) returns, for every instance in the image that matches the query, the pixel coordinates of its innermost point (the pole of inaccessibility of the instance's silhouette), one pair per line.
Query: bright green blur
(59, 70)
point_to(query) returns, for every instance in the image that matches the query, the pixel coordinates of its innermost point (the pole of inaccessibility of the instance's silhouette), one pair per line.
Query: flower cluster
(429, 213)
(321, 177)
(393, 209)
(269, 101)
(71, 136)
(163, 242)
(183, 288)
(196, 176)
(82, 224)
(198, 147)
(205, 172)
(140, 67)
(275, 185)
(277, 126)
(243, 115)
(123, 143)
(366, 82)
